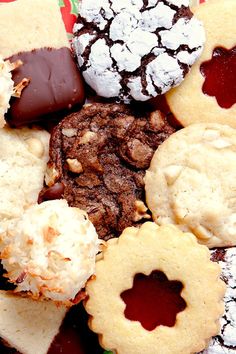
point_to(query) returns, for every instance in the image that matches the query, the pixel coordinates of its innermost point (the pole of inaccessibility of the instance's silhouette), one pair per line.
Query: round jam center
(153, 300)
(220, 76)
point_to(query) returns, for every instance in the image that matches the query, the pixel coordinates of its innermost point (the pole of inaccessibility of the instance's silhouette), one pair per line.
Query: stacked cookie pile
(119, 205)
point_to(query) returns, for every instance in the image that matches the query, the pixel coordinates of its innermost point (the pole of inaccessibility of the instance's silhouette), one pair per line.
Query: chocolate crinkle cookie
(225, 342)
(136, 49)
(98, 158)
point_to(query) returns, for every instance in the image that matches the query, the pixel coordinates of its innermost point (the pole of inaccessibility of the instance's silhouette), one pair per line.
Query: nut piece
(35, 146)
(74, 165)
(69, 132)
(87, 137)
(51, 175)
(140, 211)
(157, 120)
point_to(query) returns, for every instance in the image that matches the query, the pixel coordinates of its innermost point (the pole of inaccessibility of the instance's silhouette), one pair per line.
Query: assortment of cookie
(108, 198)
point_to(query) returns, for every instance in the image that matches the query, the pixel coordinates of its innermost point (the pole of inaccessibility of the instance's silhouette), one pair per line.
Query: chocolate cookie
(98, 157)
(136, 49)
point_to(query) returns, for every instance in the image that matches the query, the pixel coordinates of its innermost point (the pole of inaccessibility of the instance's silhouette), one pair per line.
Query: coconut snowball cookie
(191, 183)
(208, 94)
(179, 269)
(50, 251)
(6, 88)
(136, 49)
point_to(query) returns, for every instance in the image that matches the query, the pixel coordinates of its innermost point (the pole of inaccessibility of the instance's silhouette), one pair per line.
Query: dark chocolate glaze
(55, 85)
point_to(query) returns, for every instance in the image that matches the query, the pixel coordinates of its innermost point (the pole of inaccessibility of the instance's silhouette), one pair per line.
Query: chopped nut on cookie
(99, 164)
(191, 183)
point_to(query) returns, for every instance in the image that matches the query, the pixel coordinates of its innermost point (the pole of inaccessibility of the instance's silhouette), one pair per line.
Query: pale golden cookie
(191, 183)
(180, 258)
(187, 102)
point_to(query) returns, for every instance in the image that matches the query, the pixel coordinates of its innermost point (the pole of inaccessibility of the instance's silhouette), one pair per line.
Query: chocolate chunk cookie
(98, 157)
(138, 49)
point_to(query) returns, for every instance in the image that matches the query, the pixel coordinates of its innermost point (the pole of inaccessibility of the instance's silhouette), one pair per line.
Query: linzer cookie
(191, 183)
(225, 342)
(136, 50)
(33, 31)
(98, 158)
(208, 93)
(155, 291)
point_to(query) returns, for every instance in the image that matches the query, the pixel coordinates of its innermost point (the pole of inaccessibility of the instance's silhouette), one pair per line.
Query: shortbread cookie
(208, 93)
(179, 269)
(136, 50)
(98, 157)
(50, 251)
(29, 326)
(23, 158)
(33, 31)
(225, 342)
(191, 183)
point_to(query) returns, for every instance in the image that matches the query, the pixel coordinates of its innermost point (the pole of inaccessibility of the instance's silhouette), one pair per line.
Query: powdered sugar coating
(121, 45)
(225, 342)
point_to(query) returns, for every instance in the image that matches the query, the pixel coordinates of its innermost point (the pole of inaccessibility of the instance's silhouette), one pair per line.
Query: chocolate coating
(55, 85)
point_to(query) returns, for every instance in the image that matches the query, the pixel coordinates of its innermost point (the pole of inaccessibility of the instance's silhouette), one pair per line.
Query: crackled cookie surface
(169, 256)
(191, 183)
(136, 49)
(225, 342)
(208, 93)
(98, 158)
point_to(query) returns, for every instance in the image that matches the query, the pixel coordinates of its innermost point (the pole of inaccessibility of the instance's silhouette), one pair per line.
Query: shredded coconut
(6, 88)
(50, 251)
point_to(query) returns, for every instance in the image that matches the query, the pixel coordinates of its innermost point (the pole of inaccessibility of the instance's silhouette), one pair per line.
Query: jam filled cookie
(98, 158)
(33, 32)
(155, 291)
(208, 93)
(136, 50)
(225, 342)
(191, 183)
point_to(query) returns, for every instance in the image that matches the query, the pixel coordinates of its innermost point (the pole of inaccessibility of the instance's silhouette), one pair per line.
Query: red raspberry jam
(153, 300)
(220, 76)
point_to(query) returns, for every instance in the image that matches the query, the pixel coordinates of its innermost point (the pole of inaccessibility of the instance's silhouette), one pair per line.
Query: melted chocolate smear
(220, 76)
(153, 300)
(55, 86)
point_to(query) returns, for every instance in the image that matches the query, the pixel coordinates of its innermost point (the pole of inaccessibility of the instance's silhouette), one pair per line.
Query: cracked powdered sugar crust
(225, 342)
(136, 49)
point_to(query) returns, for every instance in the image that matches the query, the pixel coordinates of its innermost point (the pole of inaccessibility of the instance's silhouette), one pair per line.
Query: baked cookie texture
(49, 252)
(187, 102)
(136, 50)
(143, 250)
(191, 183)
(225, 342)
(23, 159)
(98, 158)
(29, 326)
(33, 32)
